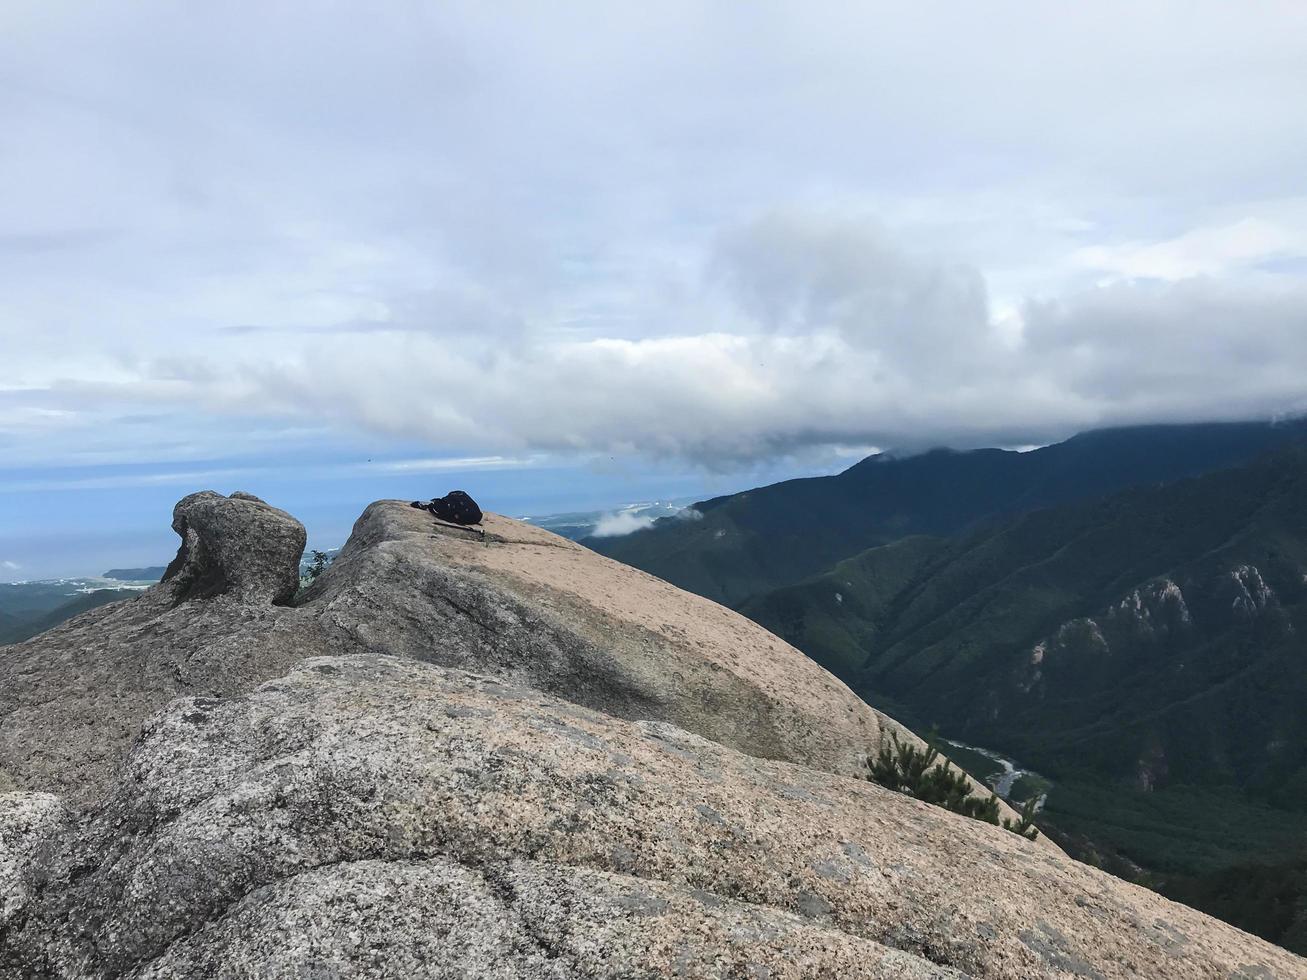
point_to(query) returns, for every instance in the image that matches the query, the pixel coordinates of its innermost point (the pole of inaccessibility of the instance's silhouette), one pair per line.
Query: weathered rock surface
(522, 604)
(373, 815)
(236, 546)
(517, 920)
(30, 826)
(534, 608)
(501, 758)
(72, 699)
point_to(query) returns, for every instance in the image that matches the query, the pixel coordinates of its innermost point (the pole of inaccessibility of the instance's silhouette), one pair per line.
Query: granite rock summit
(509, 757)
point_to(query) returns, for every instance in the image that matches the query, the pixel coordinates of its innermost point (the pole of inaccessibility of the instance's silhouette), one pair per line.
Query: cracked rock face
(509, 757)
(377, 816)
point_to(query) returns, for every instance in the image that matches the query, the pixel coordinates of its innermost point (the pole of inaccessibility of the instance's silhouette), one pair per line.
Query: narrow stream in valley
(1002, 783)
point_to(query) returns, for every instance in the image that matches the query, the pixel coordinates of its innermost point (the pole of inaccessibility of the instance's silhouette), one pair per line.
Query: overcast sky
(700, 243)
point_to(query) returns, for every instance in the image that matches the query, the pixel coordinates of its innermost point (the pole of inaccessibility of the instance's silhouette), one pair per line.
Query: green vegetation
(317, 565)
(1268, 900)
(312, 568)
(1029, 786)
(921, 773)
(1101, 640)
(980, 766)
(1165, 699)
(1025, 822)
(1212, 849)
(26, 610)
(839, 612)
(1177, 830)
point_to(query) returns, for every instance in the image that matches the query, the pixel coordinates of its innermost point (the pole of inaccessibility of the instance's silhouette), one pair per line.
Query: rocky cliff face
(501, 758)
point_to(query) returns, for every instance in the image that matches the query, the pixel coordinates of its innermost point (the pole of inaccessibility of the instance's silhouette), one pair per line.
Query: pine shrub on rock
(920, 773)
(1025, 824)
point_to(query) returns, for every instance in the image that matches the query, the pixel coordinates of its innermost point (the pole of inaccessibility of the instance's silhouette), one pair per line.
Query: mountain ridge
(1041, 574)
(761, 539)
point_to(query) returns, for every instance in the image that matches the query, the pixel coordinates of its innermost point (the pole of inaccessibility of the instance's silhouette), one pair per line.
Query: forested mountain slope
(776, 535)
(1145, 650)
(1110, 634)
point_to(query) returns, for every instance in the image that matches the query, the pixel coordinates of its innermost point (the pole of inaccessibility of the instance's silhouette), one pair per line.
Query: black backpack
(456, 507)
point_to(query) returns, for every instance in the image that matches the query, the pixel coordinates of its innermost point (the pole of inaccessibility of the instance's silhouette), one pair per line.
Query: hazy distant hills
(15, 628)
(760, 539)
(29, 608)
(601, 524)
(151, 574)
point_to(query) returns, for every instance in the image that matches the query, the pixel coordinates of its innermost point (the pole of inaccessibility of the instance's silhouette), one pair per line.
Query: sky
(572, 255)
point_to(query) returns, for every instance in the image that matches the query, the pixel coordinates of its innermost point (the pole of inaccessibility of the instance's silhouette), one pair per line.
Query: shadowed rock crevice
(192, 574)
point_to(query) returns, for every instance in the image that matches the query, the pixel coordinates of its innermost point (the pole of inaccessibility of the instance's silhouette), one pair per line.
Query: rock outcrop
(522, 604)
(502, 759)
(536, 609)
(72, 699)
(235, 546)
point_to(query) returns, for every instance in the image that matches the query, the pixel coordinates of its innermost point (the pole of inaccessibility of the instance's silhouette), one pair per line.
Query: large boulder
(377, 816)
(236, 546)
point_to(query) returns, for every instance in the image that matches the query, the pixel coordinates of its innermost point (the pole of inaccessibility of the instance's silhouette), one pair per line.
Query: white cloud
(502, 232)
(11, 566)
(176, 478)
(448, 463)
(1210, 251)
(621, 523)
(802, 274)
(832, 354)
(827, 348)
